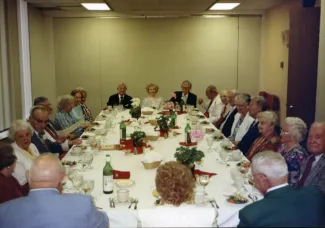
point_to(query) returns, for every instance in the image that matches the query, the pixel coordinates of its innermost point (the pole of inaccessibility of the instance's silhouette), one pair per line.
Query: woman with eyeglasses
(293, 132)
(21, 133)
(9, 187)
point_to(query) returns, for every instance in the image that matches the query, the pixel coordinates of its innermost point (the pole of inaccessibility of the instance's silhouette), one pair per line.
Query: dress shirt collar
(317, 157)
(44, 189)
(276, 187)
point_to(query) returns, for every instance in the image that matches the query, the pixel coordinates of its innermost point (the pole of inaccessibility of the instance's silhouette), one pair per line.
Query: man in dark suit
(226, 125)
(282, 205)
(39, 118)
(256, 105)
(313, 170)
(185, 95)
(121, 98)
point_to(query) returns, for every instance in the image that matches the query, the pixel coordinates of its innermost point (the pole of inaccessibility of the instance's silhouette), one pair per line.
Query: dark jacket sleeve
(110, 101)
(243, 221)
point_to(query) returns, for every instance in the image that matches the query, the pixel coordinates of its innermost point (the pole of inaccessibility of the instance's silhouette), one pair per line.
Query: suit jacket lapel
(315, 170)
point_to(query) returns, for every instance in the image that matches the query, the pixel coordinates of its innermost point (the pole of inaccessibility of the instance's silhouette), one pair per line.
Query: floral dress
(294, 158)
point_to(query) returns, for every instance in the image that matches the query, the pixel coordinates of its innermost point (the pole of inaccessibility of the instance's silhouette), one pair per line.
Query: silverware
(211, 202)
(132, 201)
(136, 204)
(110, 203)
(113, 203)
(215, 203)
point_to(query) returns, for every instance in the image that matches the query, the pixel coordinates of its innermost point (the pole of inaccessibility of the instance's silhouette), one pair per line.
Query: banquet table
(121, 216)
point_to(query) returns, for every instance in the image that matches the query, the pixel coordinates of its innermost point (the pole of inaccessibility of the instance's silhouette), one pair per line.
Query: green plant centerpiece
(137, 138)
(188, 156)
(163, 125)
(135, 111)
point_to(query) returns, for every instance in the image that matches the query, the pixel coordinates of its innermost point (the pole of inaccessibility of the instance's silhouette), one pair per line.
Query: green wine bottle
(188, 133)
(122, 129)
(108, 183)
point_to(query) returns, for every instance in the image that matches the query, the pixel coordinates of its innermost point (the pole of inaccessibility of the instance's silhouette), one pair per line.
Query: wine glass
(77, 181)
(87, 159)
(223, 156)
(210, 141)
(204, 180)
(88, 186)
(239, 183)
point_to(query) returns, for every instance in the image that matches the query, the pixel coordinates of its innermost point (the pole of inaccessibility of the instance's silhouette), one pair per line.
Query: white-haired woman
(293, 132)
(269, 140)
(21, 133)
(64, 117)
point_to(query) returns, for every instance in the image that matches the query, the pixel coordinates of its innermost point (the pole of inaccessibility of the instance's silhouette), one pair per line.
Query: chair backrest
(273, 101)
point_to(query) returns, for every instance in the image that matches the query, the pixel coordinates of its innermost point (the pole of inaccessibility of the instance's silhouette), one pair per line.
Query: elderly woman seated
(269, 140)
(152, 101)
(21, 133)
(242, 120)
(9, 186)
(85, 110)
(174, 184)
(63, 117)
(77, 110)
(294, 131)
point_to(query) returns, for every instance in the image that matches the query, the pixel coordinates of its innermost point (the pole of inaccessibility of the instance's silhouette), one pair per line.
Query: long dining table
(218, 188)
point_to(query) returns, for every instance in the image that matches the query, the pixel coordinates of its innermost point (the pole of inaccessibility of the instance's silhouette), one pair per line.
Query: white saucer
(128, 201)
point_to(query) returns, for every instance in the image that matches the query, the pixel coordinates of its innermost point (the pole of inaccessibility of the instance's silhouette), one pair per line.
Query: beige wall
(274, 79)
(320, 102)
(42, 55)
(99, 53)
(13, 59)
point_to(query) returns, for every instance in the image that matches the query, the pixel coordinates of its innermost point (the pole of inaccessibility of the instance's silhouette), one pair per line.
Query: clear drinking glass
(77, 181)
(87, 160)
(210, 142)
(223, 156)
(88, 186)
(204, 181)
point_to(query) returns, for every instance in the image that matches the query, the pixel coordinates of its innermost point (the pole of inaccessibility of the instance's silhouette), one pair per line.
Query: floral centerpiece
(196, 135)
(188, 156)
(163, 125)
(135, 111)
(138, 137)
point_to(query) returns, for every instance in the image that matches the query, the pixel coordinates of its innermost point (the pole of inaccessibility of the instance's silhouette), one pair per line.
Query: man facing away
(282, 205)
(313, 170)
(45, 206)
(120, 98)
(185, 95)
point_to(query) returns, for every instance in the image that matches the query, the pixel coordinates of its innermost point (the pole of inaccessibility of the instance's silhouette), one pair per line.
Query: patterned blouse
(86, 112)
(64, 120)
(263, 144)
(294, 158)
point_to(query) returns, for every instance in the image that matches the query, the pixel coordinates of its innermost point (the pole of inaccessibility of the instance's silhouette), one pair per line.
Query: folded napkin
(180, 113)
(128, 145)
(188, 144)
(199, 172)
(121, 174)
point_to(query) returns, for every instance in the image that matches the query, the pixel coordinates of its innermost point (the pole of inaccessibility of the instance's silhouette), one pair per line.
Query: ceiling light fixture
(95, 6)
(224, 6)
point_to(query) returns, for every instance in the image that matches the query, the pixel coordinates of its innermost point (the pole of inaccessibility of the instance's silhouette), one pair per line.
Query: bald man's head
(316, 138)
(46, 172)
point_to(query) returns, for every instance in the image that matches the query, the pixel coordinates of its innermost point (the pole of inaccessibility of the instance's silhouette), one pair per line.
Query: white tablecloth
(144, 179)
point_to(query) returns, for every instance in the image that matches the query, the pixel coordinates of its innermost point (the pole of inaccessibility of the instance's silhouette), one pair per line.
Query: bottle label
(108, 183)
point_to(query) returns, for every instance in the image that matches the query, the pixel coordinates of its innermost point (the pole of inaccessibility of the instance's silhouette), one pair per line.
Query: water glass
(87, 159)
(210, 142)
(223, 156)
(77, 181)
(88, 186)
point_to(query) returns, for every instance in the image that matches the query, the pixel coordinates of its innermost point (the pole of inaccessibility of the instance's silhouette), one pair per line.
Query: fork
(133, 201)
(136, 204)
(214, 200)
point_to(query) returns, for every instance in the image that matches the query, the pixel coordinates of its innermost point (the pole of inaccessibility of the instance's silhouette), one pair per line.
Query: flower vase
(137, 150)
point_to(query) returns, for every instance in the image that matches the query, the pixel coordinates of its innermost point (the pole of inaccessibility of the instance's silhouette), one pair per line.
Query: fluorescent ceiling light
(224, 6)
(95, 6)
(213, 16)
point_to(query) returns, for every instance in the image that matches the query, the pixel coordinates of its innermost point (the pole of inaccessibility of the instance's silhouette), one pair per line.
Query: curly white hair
(298, 128)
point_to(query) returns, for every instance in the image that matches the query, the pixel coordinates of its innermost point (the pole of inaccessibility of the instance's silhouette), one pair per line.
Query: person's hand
(75, 142)
(61, 139)
(200, 101)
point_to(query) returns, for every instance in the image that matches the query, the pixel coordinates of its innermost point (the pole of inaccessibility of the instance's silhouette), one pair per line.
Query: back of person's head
(270, 168)
(174, 183)
(7, 156)
(39, 100)
(46, 172)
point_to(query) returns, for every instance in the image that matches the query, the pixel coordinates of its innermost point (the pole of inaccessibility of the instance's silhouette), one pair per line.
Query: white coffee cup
(199, 197)
(122, 195)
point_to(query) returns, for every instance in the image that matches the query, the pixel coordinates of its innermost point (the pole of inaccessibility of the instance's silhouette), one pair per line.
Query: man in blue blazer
(282, 205)
(185, 95)
(45, 206)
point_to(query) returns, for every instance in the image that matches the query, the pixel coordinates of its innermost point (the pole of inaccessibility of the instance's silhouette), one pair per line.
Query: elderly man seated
(185, 95)
(282, 205)
(213, 107)
(45, 206)
(313, 170)
(120, 98)
(226, 124)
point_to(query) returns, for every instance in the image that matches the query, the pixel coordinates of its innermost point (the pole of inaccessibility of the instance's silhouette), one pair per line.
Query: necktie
(306, 172)
(206, 114)
(122, 99)
(221, 119)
